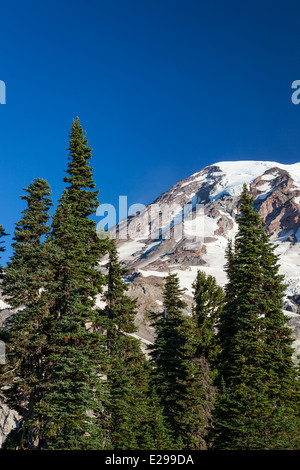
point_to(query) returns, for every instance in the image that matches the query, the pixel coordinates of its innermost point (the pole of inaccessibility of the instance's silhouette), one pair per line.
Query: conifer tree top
(79, 171)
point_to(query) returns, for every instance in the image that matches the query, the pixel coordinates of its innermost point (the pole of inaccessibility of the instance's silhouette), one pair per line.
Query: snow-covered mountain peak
(231, 175)
(227, 178)
(212, 196)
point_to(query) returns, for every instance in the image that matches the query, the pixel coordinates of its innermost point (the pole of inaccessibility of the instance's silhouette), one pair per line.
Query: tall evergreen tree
(168, 356)
(180, 368)
(258, 400)
(26, 275)
(120, 308)
(128, 370)
(208, 304)
(207, 307)
(73, 411)
(194, 403)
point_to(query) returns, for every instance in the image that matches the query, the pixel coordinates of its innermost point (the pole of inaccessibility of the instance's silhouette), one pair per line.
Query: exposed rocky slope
(8, 418)
(8, 421)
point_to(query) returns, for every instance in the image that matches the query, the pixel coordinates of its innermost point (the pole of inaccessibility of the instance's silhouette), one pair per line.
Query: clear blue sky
(162, 87)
